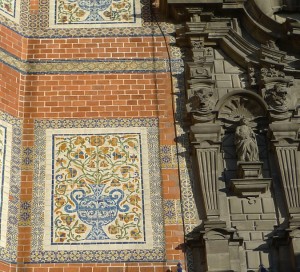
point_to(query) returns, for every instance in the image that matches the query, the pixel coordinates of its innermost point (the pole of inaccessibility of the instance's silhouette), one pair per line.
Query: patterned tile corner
(10, 9)
(74, 18)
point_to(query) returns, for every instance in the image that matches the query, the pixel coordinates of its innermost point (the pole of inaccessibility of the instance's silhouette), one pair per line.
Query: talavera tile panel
(93, 13)
(64, 18)
(10, 162)
(94, 192)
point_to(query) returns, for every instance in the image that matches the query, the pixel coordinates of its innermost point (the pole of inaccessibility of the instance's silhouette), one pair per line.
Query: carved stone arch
(241, 104)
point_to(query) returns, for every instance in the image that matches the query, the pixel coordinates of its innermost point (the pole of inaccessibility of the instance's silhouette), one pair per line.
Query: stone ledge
(250, 187)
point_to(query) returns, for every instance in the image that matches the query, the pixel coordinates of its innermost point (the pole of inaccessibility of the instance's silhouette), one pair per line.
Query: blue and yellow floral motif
(97, 188)
(95, 11)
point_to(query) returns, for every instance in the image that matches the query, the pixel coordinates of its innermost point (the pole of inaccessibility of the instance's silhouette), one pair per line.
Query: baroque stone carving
(202, 104)
(245, 142)
(203, 101)
(252, 74)
(240, 106)
(271, 72)
(276, 98)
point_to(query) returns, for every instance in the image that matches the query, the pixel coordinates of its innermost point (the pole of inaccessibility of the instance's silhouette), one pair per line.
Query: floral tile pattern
(97, 189)
(45, 22)
(107, 13)
(10, 172)
(92, 187)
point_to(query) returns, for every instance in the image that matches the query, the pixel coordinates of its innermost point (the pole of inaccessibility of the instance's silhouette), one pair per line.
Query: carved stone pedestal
(215, 239)
(286, 243)
(250, 182)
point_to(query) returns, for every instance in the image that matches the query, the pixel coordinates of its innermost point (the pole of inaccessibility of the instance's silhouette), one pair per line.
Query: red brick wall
(89, 48)
(89, 96)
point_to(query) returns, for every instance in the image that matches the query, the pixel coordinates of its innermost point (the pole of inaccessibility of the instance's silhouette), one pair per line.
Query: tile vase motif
(93, 187)
(97, 180)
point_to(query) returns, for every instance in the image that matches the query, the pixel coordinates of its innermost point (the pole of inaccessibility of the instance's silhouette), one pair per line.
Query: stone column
(285, 137)
(206, 151)
(286, 144)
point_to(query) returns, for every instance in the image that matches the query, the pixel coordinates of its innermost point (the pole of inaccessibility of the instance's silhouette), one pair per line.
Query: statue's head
(244, 121)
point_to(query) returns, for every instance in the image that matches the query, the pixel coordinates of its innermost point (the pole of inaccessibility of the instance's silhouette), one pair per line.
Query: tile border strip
(9, 253)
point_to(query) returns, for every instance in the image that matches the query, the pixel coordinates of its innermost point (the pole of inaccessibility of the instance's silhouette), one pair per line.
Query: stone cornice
(223, 29)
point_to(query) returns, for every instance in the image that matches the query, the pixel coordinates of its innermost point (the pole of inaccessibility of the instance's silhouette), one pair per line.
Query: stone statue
(276, 98)
(245, 142)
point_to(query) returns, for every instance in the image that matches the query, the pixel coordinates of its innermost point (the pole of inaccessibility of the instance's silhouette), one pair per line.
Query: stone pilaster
(206, 142)
(286, 144)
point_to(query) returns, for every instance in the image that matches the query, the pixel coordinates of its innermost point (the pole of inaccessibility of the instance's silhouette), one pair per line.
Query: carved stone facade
(242, 72)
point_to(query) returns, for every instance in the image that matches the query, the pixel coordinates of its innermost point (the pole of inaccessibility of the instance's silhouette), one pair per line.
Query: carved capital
(206, 135)
(284, 134)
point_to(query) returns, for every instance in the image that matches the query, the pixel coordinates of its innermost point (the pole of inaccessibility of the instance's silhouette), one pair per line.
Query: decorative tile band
(92, 187)
(10, 153)
(27, 158)
(25, 213)
(187, 179)
(81, 66)
(168, 156)
(172, 211)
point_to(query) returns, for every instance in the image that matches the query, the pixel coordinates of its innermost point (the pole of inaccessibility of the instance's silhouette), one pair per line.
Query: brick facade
(70, 87)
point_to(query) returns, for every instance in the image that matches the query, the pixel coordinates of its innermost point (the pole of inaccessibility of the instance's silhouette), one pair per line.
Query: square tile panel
(92, 13)
(94, 197)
